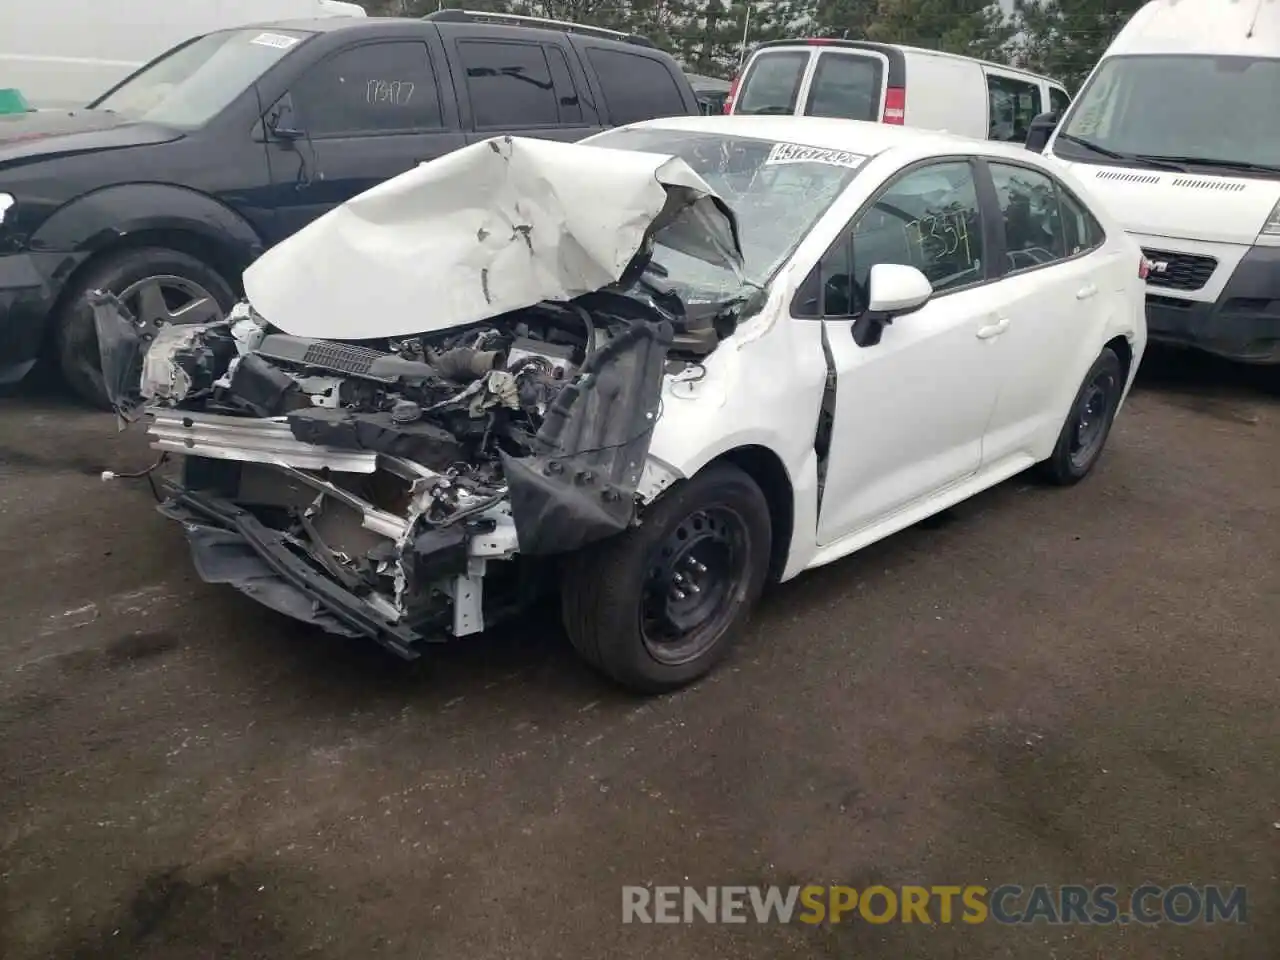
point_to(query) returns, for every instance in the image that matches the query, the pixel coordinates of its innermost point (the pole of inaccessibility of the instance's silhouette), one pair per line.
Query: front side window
(635, 87)
(1012, 105)
(772, 83)
(846, 86)
(1210, 110)
(1032, 219)
(509, 84)
(928, 219)
(193, 83)
(371, 89)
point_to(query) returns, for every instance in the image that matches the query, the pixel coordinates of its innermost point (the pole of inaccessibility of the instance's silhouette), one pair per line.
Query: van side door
(523, 83)
(364, 113)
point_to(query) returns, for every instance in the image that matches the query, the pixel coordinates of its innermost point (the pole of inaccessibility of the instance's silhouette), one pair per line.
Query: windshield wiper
(1164, 163)
(1243, 165)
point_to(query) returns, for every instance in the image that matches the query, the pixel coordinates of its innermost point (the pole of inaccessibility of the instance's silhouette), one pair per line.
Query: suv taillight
(895, 105)
(733, 93)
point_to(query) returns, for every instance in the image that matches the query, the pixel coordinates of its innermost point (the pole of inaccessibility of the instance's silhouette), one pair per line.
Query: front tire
(657, 607)
(159, 285)
(1088, 424)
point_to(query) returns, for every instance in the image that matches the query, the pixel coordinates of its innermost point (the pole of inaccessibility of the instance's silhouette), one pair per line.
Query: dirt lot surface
(1047, 686)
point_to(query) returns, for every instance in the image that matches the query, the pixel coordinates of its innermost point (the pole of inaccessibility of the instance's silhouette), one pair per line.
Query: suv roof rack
(540, 23)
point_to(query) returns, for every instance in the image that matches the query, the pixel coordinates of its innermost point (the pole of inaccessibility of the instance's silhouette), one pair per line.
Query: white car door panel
(1053, 301)
(911, 410)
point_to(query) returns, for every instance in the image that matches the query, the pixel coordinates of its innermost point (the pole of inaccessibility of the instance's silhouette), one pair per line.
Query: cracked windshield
(776, 189)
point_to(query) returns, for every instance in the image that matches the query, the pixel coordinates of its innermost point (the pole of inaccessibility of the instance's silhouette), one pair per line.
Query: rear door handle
(1085, 292)
(994, 329)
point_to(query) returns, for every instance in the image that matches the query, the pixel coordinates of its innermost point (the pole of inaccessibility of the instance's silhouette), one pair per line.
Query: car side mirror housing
(1041, 130)
(893, 290)
(281, 122)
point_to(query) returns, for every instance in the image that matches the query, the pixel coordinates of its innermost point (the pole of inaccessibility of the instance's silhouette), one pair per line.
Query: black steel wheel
(656, 607)
(1088, 424)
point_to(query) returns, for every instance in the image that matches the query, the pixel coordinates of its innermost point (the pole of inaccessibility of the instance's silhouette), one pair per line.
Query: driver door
(909, 412)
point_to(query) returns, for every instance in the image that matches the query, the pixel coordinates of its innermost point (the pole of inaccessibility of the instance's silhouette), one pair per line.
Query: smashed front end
(411, 470)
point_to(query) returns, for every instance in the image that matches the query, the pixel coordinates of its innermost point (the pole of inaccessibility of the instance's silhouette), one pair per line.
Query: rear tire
(190, 291)
(1088, 424)
(656, 607)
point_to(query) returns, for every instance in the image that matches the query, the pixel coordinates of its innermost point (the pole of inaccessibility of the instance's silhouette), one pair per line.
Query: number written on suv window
(374, 88)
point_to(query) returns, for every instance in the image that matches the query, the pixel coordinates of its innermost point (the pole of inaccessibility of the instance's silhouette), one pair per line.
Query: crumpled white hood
(493, 227)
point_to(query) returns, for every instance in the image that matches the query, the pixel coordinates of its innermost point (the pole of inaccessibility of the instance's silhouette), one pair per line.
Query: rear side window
(1080, 230)
(370, 89)
(635, 87)
(772, 83)
(1058, 100)
(1033, 228)
(846, 86)
(509, 84)
(1013, 104)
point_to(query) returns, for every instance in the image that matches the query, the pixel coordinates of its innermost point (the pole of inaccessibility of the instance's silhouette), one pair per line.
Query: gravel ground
(1057, 686)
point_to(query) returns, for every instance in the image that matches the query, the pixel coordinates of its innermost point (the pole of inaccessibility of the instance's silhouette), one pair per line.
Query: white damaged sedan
(652, 372)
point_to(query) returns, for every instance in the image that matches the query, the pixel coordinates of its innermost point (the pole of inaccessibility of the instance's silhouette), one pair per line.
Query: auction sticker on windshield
(279, 41)
(798, 153)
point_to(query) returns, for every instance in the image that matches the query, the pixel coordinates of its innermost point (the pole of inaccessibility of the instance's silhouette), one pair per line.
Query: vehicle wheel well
(221, 259)
(1125, 352)
(766, 469)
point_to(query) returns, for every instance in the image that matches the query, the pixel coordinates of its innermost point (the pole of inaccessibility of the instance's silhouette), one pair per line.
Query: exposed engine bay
(440, 387)
(399, 468)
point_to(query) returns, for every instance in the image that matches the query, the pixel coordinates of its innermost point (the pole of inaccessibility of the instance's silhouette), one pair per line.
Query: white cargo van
(888, 82)
(65, 53)
(1177, 129)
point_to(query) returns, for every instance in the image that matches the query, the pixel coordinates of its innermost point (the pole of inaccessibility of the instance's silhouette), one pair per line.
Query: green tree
(974, 28)
(1064, 38)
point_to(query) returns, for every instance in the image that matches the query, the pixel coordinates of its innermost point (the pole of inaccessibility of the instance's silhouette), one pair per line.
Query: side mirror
(893, 290)
(1041, 130)
(281, 121)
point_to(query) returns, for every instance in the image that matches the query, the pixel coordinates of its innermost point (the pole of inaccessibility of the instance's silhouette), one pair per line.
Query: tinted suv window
(1013, 104)
(927, 219)
(1058, 100)
(1032, 218)
(375, 88)
(845, 86)
(772, 83)
(635, 87)
(509, 84)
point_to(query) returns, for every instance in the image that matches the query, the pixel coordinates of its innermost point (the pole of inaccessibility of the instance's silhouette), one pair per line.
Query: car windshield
(191, 84)
(1220, 111)
(777, 190)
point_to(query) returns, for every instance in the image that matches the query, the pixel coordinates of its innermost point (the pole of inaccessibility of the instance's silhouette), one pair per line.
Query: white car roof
(856, 136)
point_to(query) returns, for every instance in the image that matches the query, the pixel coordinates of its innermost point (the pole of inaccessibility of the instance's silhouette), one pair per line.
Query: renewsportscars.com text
(971, 904)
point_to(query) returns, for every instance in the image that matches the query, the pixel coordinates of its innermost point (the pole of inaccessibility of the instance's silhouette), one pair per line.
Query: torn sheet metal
(493, 227)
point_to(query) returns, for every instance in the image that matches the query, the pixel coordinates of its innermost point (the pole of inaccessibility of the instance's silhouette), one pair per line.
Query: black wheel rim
(1092, 418)
(697, 577)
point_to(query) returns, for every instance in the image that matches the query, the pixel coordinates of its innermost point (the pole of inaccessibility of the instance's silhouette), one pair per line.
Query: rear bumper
(230, 546)
(26, 297)
(1243, 324)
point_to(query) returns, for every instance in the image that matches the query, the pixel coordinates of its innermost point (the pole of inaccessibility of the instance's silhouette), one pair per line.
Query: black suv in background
(164, 189)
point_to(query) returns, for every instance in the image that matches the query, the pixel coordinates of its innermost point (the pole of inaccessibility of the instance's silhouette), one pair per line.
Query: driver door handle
(1087, 291)
(994, 329)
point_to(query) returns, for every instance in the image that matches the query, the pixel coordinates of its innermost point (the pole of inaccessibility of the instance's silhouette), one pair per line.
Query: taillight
(733, 93)
(895, 105)
(1144, 268)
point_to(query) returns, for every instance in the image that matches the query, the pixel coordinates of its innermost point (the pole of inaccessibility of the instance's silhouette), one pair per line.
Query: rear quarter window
(772, 82)
(635, 87)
